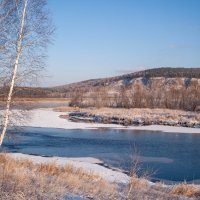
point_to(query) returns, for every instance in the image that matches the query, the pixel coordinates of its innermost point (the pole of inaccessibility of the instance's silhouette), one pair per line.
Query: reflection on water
(172, 156)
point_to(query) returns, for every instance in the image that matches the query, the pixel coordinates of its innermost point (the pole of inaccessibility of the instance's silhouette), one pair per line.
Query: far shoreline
(48, 118)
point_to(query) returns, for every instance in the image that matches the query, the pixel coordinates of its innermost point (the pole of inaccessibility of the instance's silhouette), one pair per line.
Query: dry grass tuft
(137, 184)
(21, 179)
(188, 190)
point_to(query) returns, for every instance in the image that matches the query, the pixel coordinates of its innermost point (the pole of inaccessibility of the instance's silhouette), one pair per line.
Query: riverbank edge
(133, 116)
(89, 165)
(91, 118)
(49, 118)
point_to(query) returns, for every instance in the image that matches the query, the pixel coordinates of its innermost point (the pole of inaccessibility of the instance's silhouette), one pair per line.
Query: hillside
(173, 88)
(150, 73)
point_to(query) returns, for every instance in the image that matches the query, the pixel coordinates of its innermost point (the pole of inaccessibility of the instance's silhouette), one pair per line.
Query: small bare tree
(25, 32)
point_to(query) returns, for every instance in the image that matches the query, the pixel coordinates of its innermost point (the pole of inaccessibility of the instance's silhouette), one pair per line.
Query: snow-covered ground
(90, 165)
(47, 118)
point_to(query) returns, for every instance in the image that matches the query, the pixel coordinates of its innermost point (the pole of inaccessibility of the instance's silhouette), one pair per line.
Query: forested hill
(146, 75)
(168, 73)
(174, 88)
(149, 73)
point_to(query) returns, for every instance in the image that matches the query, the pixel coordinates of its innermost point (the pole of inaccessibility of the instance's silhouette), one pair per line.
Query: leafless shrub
(136, 183)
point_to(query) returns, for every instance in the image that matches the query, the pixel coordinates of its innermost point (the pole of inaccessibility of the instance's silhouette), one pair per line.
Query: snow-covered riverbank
(89, 165)
(86, 179)
(47, 118)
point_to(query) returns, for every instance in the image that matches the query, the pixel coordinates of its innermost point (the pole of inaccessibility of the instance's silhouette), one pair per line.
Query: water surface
(170, 156)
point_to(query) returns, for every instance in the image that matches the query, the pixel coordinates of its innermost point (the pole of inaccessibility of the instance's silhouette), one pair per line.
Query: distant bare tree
(76, 98)
(25, 31)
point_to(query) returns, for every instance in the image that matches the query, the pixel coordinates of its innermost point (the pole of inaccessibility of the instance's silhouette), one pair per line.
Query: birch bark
(14, 74)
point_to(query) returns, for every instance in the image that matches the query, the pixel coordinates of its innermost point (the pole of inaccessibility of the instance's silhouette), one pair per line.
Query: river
(165, 156)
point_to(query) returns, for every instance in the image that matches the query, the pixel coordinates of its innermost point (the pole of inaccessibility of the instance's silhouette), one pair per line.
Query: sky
(103, 38)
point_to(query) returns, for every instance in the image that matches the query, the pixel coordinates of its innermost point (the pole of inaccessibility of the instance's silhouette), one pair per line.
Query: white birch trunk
(14, 74)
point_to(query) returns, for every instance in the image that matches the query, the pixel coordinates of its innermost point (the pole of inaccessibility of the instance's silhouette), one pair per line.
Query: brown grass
(135, 113)
(139, 188)
(24, 180)
(136, 184)
(21, 179)
(188, 190)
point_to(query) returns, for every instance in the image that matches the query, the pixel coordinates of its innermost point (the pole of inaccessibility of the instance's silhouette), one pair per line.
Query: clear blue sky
(102, 38)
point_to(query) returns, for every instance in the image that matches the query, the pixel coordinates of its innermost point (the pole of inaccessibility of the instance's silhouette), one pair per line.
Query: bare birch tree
(25, 33)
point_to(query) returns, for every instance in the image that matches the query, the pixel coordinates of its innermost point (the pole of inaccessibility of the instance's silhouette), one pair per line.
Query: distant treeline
(169, 73)
(178, 88)
(173, 94)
